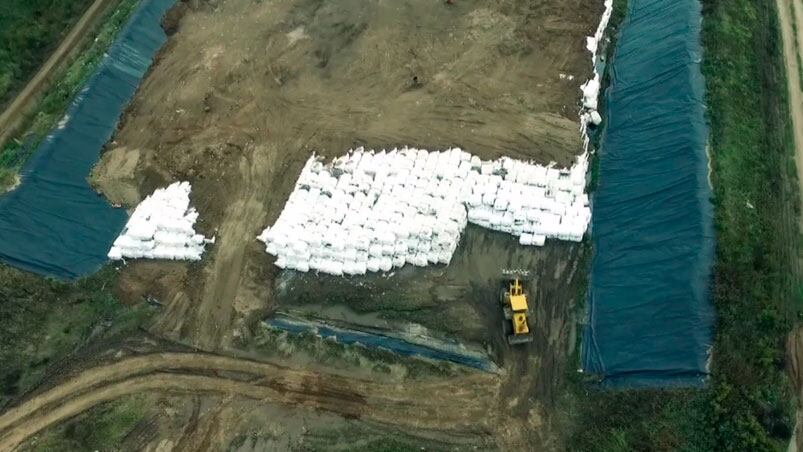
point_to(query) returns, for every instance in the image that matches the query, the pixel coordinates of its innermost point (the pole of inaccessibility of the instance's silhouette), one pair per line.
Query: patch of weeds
(362, 438)
(44, 321)
(101, 428)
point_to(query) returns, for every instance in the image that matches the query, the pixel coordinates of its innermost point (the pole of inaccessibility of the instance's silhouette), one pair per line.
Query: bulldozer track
(419, 405)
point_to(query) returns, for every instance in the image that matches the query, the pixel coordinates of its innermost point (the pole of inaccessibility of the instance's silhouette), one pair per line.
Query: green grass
(749, 403)
(29, 31)
(8, 178)
(50, 109)
(756, 280)
(354, 437)
(359, 437)
(45, 321)
(103, 427)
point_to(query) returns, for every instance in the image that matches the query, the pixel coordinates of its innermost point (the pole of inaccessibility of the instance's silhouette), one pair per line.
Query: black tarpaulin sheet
(650, 317)
(54, 223)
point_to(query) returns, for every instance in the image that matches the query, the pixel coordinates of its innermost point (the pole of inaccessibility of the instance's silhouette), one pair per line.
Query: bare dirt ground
(237, 100)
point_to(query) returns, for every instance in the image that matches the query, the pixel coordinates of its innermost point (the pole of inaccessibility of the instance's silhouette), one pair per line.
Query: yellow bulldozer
(516, 310)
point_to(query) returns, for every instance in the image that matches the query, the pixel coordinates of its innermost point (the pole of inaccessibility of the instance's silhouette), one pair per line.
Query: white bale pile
(591, 89)
(162, 227)
(370, 211)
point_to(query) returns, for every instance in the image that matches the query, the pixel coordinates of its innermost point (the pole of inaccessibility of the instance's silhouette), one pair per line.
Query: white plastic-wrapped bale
(374, 212)
(162, 227)
(589, 113)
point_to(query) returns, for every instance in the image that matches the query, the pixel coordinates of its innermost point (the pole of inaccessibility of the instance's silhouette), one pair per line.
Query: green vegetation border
(105, 427)
(50, 109)
(793, 16)
(43, 322)
(29, 31)
(748, 403)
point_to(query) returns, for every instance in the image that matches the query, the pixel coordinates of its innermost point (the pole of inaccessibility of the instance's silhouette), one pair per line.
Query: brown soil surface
(115, 175)
(241, 95)
(150, 279)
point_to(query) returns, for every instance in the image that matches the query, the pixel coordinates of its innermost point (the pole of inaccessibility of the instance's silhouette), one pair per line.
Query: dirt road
(464, 408)
(790, 14)
(27, 98)
(239, 114)
(793, 53)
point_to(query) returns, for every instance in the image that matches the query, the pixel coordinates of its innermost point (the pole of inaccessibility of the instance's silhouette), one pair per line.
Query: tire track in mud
(224, 280)
(334, 401)
(440, 405)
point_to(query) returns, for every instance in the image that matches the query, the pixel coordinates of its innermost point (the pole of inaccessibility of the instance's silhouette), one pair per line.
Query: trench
(411, 346)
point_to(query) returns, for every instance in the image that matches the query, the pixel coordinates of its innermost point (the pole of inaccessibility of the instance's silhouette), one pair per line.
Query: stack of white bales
(370, 211)
(162, 227)
(531, 201)
(591, 88)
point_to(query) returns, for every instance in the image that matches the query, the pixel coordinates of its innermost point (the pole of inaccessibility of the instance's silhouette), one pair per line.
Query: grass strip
(103, 427)
(749, 403)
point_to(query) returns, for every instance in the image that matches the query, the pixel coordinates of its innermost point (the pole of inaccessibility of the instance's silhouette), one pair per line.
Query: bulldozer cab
(520, 324)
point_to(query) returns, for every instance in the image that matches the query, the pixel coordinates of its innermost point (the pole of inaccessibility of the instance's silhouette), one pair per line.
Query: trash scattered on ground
(373, 211)
(162, 227)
